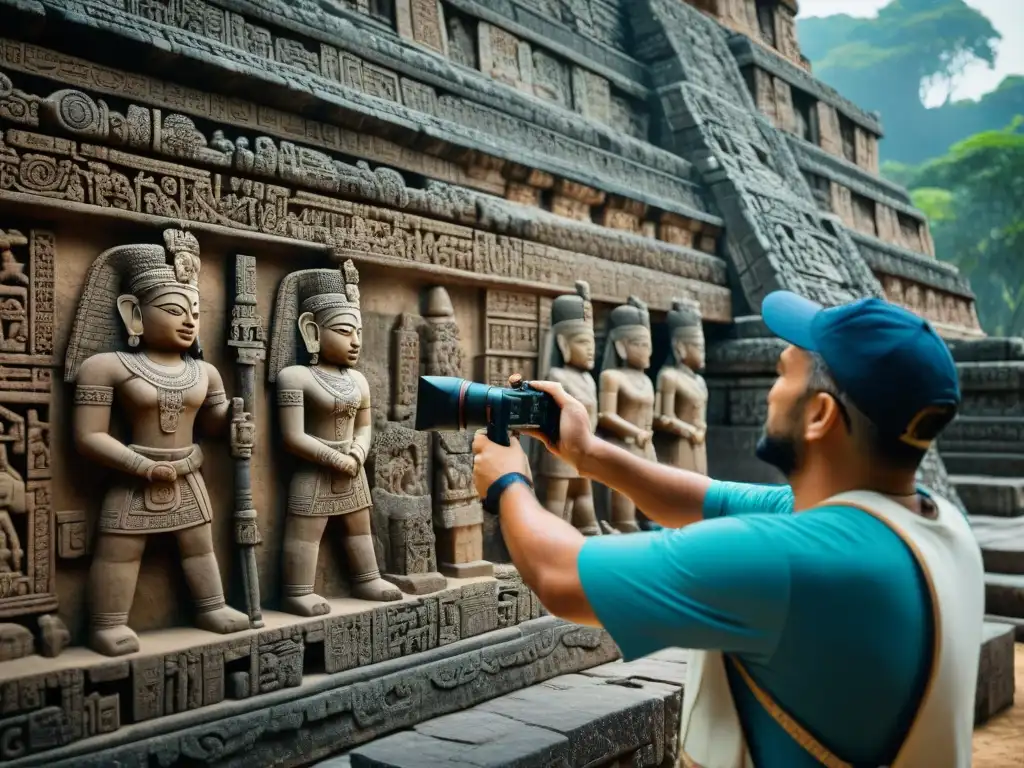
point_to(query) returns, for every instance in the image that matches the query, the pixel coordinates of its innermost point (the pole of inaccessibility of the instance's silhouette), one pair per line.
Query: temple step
(1004, 594)
(1002, 543)
(988, 495)
(612, 716)
(617, 714)
(983, 464)
(996, 681)
(1017, 624)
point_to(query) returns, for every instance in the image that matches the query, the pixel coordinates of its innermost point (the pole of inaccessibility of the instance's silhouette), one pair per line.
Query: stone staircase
(984, 454)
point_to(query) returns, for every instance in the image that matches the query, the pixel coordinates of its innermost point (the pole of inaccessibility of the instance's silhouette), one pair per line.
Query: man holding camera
(837, 620)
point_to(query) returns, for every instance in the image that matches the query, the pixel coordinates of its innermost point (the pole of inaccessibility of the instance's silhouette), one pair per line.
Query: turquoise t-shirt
(828, 610)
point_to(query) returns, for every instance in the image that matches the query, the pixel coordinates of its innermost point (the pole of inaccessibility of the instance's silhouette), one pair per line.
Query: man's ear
(821, 416)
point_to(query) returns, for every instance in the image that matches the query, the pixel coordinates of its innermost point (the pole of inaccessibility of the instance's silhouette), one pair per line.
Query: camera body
(451, 403)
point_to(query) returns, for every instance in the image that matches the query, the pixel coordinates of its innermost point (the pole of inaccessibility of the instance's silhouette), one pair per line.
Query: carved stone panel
(591, 95)
(458, 516)
(27, 519)
(828, 125)
(505, 57)
(423, 22)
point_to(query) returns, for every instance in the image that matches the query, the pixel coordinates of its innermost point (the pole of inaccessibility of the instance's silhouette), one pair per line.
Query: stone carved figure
(569, 358)
(12, 501)
(681, 399)
(164, 388)
(326, 421)
(626, 401)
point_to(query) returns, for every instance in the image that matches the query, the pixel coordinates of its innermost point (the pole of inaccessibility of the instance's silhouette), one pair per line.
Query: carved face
(167, 321)
(341, 338)
(689, 352)
(635, 348)
(577, 350)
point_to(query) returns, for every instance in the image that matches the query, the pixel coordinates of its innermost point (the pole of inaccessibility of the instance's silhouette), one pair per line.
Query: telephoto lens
(451, 403)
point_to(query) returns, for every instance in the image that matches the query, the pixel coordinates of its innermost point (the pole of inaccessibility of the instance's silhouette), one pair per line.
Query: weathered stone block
(996, 680)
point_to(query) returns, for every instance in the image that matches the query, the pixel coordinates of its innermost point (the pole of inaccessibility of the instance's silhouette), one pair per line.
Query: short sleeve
(712, 585)
(724, 499)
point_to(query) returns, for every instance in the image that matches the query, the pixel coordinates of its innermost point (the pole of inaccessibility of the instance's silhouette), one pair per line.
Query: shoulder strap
(797, 732)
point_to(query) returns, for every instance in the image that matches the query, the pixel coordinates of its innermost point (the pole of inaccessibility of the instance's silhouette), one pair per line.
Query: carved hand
(643, 438)
(162, 472)
(699, 436)
(607, 528)
(347, 465)
(243, 430)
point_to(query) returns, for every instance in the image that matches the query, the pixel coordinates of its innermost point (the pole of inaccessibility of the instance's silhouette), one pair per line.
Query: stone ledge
(572, 720)
(996, 681)
(1001, 540)
(995, 496)
(748, 53)
(989, 350)
(297, 725)
(1017, 624)
(980, 461)
(1004, 594)
(814, 159)
(893, 260)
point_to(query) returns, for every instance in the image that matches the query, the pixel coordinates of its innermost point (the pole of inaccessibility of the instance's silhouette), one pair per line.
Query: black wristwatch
(493, 498)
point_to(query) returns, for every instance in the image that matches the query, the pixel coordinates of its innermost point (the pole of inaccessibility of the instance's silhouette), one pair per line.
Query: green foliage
(974, 198)
(887, 63)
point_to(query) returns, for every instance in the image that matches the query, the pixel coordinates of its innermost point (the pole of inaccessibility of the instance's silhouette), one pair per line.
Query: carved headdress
(320, 291)
(142, 270)
(624, 320)
(571, 313)
(684, 321)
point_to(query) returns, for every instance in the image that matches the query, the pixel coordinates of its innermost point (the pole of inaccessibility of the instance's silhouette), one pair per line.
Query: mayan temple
(195, 194)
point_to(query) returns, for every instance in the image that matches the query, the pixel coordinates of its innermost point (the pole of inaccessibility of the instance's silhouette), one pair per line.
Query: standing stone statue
(327, 423)
(569, 356)
(682, 396)
(163, 388)
(626, 401)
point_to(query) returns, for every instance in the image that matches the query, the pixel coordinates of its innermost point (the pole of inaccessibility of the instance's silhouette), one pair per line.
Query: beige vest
(940, 735)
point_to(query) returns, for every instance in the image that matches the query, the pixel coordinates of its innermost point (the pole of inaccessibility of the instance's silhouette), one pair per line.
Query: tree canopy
(974, 199)
(889, 62)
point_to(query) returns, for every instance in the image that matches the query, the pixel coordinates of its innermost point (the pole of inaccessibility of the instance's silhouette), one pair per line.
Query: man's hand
(491, 461)
(574, 435)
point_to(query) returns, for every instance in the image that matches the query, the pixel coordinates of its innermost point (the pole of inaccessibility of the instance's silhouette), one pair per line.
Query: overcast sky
(1006, 15)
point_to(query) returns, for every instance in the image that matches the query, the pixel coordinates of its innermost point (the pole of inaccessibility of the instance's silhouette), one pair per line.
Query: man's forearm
(545, 549)
(669, 496)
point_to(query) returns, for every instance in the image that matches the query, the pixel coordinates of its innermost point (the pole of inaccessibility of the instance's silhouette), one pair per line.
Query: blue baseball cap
(889, 362)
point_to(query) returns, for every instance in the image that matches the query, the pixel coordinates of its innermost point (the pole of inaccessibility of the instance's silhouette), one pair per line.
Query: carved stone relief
(126, 353)
(28, 527)
(511, 337)
(458, 516)
(504, 57)
(423, 22)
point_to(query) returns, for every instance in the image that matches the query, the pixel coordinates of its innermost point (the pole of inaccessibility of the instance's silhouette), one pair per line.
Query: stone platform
(615, 715)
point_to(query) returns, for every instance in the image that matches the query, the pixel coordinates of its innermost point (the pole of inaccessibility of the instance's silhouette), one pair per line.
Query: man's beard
(780, 452)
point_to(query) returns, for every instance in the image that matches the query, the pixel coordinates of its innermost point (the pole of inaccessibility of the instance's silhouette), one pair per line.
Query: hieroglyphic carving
(505, 57)
(423, 22)
(516, 602)
(132, 183)
(72, 534)
(551, 79)
(27, 519)
(512, 337)
(406, 367)
(462, 40)
(591, 95)
(458, 516)
(828, 126)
